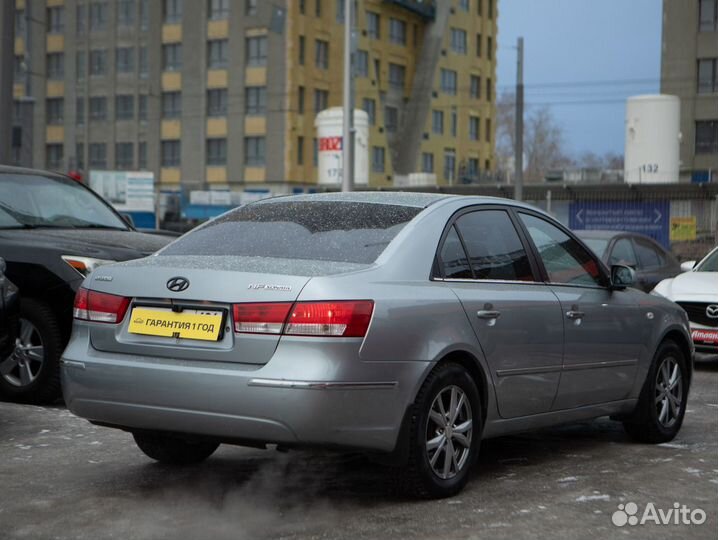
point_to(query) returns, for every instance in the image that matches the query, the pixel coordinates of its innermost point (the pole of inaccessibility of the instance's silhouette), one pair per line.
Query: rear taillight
(99, 307)
(345, 318)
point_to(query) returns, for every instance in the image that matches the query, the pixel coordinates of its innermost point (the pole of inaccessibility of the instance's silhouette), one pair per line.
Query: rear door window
(647, 254)
(337, 231)
(494, 247)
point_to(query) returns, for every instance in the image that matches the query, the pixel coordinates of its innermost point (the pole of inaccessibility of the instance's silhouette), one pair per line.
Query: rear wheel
(31, 373)
(662, 404)
(174, 450)
(445, 434)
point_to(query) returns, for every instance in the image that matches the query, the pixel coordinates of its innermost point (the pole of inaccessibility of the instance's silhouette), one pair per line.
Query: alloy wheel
(23, 366)
(669, 392)
(448, 432)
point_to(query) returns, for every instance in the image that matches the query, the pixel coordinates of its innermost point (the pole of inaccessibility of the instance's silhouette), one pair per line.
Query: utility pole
(7, 68)
(519, 142)
(348, 100)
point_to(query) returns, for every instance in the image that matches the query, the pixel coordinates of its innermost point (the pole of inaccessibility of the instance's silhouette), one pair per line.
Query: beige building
(225, 92)
(689, 70)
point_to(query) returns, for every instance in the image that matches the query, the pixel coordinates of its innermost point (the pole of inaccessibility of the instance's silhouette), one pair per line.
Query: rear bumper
(322, 395)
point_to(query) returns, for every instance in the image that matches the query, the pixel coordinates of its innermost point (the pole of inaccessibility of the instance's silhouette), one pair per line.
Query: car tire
(425, 473)
(41, 383)
(662, 403)
(173, 450)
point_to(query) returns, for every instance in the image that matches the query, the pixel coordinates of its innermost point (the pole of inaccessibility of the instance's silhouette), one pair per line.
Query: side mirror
(622, 276)
(687, 266)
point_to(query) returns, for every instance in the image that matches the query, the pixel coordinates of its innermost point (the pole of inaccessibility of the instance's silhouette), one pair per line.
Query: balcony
(424, 8)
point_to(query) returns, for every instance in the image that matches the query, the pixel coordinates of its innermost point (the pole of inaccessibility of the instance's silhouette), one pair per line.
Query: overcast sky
(595, 52)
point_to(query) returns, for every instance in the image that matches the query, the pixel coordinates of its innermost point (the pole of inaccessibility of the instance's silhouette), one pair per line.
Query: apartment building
(689, 70)
(225, 92)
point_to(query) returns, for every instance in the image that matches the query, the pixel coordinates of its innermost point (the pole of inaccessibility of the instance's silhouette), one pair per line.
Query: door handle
(488, 314)
(572, 314)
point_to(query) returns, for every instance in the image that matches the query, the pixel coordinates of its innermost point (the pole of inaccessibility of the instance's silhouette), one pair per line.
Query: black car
(647, 257)
(53, 232)
(9, 305)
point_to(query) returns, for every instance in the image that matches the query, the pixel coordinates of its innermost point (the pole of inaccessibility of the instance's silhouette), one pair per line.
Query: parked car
(410, 326)
(8, 315)
(696, 291)
(647, 257)
(54, 231)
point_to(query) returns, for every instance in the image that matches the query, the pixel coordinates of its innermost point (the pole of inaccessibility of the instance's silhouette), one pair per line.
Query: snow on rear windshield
(314, 230)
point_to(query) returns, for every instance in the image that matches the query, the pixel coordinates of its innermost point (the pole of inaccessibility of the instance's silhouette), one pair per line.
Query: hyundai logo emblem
(177, 284)
(712, 311)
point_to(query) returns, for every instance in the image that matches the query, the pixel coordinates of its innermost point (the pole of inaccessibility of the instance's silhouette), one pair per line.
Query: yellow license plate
(187, 324)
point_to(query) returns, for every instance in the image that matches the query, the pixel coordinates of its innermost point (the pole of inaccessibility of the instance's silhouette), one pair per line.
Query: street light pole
(519, 143)
(348, 101)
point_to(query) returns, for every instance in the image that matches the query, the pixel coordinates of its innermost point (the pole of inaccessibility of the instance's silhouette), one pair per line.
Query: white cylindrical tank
(653, 137)
(329, 139)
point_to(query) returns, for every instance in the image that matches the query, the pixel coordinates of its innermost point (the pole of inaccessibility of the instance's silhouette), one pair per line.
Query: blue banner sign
(651, 218)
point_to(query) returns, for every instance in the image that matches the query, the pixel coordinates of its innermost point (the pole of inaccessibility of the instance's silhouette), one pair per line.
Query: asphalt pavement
(63, 478)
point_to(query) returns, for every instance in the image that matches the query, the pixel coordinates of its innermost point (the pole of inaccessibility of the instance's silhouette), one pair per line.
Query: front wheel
(173, 450)
(445, 434)
(662, 404)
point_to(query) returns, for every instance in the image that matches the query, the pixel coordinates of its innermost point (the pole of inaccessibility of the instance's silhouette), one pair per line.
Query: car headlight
(84, 265)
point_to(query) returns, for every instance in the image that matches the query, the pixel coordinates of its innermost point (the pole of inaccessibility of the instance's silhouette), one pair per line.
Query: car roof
(396, 198)
(7, 169)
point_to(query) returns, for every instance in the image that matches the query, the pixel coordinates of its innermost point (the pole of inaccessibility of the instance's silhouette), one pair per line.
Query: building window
(391, 118)
(489, 88)
(318, 8)
(397, 74)
(378, 159)
(321, 100)
(257, 51)
(80, 110)
(144, 20)
(373, 25)
(487, 130)
(217, 53)
(362, 63)
(302, 49)
(170, 154)
(448, 81)
(489, 47)
(464, 5)
(55, 110)
(53, 156)
(216, 152)
(218, 9)
(454, 122)
(255, 100)
(474, 123)
(479, 7)
(708, 15)
(80, 65)
(707, 137)
(80, 20)
(97, 155)
(449, 165)
(80, 156)
(98, 62)
(124, 107)
(340, 11)
(302, 7)
(472, 169)
(369, 106)
(707, 76)
(142, 108)
(125, 12)
(437, 122)
(56, 66)
(490, 9)
(458, 41)
(124, 155)
(250, 8)
(397, 31)
(125, 59)
(98, 108)
(172, 11)
(144, 63)
(475, 87)
(300, 100)
(142, 155)
(171, 104)
(300, 150)
(55, 20)
(254, 151)
(321, 56)
(217, 102)
(172, 57)
(427, 162)
(478, 45)
(98, 16)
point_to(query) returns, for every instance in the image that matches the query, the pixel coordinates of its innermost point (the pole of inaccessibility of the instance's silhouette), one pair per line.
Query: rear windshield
(313, 230)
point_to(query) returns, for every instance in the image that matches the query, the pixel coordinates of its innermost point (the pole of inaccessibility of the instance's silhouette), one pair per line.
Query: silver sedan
(409, 326)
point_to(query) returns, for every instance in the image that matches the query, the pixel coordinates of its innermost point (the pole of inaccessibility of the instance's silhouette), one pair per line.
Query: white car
(696, 291)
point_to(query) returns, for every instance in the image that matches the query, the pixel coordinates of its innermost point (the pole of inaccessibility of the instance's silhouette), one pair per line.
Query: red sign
(705, 336)
(330, 144)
